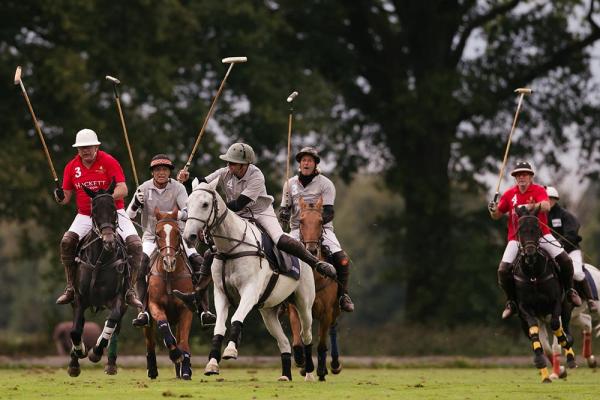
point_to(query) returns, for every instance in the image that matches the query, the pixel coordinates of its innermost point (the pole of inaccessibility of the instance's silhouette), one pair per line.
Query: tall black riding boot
(507, 283)
(566, 276)
(201, 266)
(342, 266)
(141, 288)
(292, 246)
(68, 252)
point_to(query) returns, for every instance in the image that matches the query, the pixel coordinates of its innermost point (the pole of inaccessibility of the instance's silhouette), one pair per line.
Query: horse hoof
(94, 357)
(310, 377)
(337, 370)
(547, 380)
(591, 362)
(230, 353)
(283, 378)
(563, 372)
(321, 378)
(186, 377)
(74, 371)
(212, 367)
(553, 376)
(110, 369)
(571, 363)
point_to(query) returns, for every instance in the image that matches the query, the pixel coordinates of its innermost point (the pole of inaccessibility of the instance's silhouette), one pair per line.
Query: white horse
(240, 273)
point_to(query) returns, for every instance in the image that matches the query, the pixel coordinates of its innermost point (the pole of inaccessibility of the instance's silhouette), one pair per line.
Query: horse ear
(195, 183)
(320, 202)
(213, 185)
(111, 187)
(89, 192)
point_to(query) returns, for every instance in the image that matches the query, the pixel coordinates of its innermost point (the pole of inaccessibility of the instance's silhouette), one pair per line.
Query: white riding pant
(577, 258)
(82, 224)
(547, 242)
(329, 239)
(268, 220)
(149, 245)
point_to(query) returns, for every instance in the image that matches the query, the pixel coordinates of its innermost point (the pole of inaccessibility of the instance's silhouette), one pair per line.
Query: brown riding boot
(134, 252)
(507, 284)
(292, 246)
(342, 266)
(68, 252)
(566, 276)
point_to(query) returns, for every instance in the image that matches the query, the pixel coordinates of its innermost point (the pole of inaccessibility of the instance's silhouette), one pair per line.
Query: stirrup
(142, 319)
(207, 319)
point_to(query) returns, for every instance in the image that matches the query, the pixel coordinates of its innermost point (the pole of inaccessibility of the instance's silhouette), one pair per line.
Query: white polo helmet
(86, 137)
(552, 192)
(239, 153)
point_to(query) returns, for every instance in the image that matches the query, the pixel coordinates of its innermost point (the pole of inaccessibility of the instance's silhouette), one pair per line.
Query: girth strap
(268, 289)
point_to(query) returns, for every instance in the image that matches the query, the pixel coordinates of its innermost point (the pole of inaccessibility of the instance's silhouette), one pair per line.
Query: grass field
(418, 383)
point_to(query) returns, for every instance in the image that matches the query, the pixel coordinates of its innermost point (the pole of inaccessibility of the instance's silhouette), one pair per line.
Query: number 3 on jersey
(77, 172)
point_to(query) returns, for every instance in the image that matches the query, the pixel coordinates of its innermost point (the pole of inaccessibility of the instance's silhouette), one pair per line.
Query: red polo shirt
(98, 176)
(513, 198)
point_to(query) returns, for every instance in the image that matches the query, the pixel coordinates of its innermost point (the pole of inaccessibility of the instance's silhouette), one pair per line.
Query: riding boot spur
(68, 252)
(292, 246)
(141, 288)
(566, 276)
(341, 262)
(583, 287)
(134, 253)
(507, 284)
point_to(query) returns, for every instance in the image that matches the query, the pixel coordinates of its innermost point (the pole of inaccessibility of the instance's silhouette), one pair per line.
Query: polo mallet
(285, 194)
(522, 92)
(116, 82)
(228, 60)
(19, 81)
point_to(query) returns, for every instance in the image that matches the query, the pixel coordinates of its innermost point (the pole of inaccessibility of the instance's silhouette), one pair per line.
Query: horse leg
(78, 349)
(222, 310)
(111, 366)
(304, 297)
(109, 328)
(183, 333)
(269, 316)
(296, 339)
(324, 324)
(336, 367)
(248, 299)
(151, 368)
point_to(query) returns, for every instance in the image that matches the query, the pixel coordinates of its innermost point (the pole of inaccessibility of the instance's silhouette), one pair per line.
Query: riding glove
(284, 215)
(492, 207)
(139, 199)
(59, 195)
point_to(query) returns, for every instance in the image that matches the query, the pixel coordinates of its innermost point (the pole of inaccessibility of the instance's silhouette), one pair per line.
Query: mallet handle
(135, 177)
(39, 132)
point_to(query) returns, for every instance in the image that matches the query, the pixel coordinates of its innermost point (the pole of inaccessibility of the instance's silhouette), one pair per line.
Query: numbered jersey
(319, 187)
(513, 198)
(98, 176)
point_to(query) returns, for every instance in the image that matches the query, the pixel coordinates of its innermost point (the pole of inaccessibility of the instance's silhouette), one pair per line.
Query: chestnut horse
(169, 271)
(326, 307)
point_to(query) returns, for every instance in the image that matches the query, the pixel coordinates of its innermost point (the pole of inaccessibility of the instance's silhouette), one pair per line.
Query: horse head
(529, 234)
(104, 213)
(168, 238)
(204, 204)
(311, 224)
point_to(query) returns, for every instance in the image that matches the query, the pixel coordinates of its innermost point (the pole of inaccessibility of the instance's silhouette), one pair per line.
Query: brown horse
(169, 271)
(326, 308)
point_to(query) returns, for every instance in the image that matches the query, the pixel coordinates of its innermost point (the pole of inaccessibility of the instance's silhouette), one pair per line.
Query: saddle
(281, 262)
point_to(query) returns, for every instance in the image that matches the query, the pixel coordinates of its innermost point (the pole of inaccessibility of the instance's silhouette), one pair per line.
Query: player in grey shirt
(310, 185)
(163, 193)
(246, 194)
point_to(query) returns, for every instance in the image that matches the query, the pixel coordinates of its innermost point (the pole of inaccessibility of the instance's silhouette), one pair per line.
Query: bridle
(112, 225)
(176, 247)
(214, 213)
(319, 241)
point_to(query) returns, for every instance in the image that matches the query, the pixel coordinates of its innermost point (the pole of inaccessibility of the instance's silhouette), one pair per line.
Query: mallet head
(233, 60)
(523, 91)
(113, 79)
(18, 75)
(292, 96)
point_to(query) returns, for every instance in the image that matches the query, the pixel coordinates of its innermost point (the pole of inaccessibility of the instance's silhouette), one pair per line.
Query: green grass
(424, 383)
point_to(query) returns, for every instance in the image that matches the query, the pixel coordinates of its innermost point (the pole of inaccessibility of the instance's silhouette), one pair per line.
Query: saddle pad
(279, 261)
(590, 280)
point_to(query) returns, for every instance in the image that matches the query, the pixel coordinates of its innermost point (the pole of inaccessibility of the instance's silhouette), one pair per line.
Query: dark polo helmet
(161, 159)
(522, 166)
(310, 151)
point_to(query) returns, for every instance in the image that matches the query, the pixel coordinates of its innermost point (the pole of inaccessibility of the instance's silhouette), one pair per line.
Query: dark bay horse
(539, 292)
(100, 280)
(169, 271)
(326, 307)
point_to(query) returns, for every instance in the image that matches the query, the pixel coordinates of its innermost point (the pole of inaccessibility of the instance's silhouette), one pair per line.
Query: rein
(179, 252)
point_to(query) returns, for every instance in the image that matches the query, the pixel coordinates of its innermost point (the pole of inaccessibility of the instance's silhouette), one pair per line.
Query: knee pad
(68, 246)
(341, 259)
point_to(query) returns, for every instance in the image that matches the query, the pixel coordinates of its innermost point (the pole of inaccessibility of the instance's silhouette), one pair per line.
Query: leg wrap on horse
(235, 335)
(165, 329)
(506, 280)
(215, 350)
(68, 252)
(286, 365)
(292, 246)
